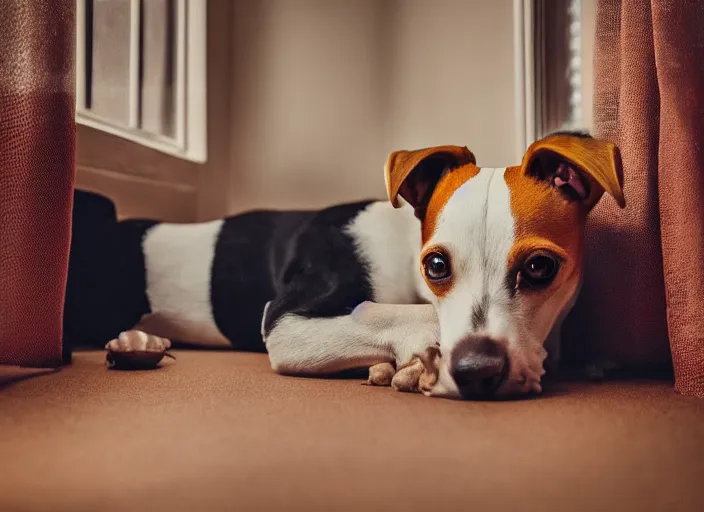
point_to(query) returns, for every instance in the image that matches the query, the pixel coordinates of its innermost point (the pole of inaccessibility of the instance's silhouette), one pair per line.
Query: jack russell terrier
(481, 265)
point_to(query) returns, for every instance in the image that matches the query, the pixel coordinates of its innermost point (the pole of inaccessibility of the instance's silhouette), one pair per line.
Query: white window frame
(524, 74)
(190, 140)
(526, 63)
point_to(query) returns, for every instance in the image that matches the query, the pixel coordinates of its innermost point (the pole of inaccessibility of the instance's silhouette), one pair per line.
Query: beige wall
(306, 98)
(323, 90)
(308, 109)
(452, 78)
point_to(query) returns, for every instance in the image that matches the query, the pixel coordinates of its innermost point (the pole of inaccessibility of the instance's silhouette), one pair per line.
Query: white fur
(388, 241)
(178, 261)
(392, 328)
(476, 226)
(262, 329)
(373, 333)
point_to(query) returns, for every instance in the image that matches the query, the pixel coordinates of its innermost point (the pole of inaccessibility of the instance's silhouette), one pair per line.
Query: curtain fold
(644, 274)
(678, 29)
(37, 162)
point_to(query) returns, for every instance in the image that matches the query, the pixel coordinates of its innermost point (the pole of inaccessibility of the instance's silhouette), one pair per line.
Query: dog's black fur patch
(573, 133)
(323, 277)
(250, 250)
(302, 261)
(105, 291)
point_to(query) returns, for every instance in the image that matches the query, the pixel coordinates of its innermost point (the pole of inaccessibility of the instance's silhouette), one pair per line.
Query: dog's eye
(539, 270)
(436, 266)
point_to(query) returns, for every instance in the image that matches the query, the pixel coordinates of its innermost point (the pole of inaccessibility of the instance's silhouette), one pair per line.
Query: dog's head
(502, 251)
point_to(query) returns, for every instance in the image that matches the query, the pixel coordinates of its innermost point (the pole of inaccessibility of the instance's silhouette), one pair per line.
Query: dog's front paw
(420, 374)
(381, 374)
(136, 350)
(416, 342)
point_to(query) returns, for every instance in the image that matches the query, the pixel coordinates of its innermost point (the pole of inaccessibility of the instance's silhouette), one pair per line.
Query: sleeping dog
(482, 264)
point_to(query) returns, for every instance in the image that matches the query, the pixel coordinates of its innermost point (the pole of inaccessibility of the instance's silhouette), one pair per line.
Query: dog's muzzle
(478, 365)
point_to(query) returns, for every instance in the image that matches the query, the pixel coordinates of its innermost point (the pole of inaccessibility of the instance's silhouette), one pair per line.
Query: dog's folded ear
(583, 168)
(414, 174)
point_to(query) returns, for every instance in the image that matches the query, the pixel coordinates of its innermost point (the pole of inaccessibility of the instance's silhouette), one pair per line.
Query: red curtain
(37, 162)
(643, 299)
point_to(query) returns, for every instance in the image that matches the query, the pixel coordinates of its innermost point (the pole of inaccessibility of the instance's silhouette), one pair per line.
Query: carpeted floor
(219, 431)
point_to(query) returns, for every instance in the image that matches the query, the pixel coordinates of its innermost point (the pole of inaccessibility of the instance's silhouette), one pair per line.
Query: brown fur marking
(444, 190)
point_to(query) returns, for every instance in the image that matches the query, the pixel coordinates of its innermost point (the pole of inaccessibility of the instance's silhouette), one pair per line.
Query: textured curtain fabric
(37, 161)
(643, 298)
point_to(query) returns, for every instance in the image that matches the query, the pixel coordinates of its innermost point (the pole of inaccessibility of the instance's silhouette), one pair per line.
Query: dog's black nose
(478, 366)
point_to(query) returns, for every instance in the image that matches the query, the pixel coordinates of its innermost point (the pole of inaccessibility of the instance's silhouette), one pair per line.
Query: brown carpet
(219, 431)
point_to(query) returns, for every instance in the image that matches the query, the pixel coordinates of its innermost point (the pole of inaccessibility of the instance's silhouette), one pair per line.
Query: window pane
(110, 60)
(158, 98)
(558, 65)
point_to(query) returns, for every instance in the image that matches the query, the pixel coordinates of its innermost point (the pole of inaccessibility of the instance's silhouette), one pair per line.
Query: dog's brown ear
(414, 174)
(583, 168)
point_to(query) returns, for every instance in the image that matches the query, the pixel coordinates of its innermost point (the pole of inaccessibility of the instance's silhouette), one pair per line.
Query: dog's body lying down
(481, 264)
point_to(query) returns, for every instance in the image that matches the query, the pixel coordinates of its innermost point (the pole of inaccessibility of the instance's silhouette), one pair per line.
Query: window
(141, 72)
(555, 85)
(558, 65)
